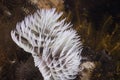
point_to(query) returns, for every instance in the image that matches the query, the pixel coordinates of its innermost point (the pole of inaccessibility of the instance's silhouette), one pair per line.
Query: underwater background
(97, 22)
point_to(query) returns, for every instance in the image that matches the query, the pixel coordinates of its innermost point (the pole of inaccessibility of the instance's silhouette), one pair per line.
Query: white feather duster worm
(54, 45)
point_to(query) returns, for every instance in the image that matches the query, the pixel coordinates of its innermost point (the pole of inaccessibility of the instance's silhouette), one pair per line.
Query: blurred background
(96, 21)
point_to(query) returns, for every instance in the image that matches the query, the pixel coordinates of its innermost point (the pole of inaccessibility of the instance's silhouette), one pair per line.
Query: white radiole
(54, 45)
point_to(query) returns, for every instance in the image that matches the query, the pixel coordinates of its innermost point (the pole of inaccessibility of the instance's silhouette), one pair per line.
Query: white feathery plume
(54, 45)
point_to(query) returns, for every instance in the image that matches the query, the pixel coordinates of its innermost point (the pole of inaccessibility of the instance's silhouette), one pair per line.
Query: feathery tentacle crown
(54, 45)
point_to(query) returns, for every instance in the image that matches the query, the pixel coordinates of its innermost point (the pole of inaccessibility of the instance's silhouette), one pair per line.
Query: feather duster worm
(54, 45)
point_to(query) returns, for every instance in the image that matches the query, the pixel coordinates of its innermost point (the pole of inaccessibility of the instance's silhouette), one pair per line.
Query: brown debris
(47, 4)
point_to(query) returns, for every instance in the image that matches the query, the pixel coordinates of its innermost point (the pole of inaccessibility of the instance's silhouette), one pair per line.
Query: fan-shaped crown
(54, 45)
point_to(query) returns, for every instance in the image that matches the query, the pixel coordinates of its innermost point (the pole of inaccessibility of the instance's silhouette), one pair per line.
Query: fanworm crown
(54, 45)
